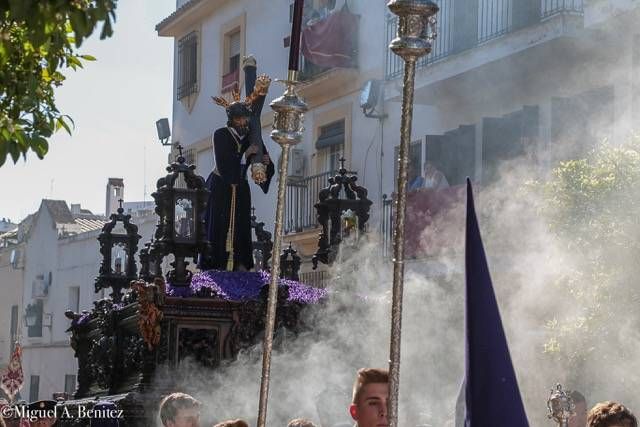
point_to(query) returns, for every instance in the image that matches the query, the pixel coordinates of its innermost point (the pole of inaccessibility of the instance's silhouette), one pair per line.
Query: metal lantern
(181, 229)
(31, 315)
(118, 266)
(343, 212)
(290, 264)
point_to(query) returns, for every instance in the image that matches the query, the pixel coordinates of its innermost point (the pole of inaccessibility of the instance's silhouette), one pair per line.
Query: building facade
(534, 80)
(48, 266)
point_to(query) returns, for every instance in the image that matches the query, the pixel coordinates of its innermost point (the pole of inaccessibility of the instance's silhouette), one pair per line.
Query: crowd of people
(368, 408)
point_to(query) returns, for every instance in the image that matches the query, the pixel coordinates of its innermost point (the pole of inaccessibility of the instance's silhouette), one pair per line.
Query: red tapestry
(432, 221)
(331, 42)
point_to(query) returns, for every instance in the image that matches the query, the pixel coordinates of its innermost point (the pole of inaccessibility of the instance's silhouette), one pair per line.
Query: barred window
(330, 144)
(232, 53)
(34, 388)
(188, 65)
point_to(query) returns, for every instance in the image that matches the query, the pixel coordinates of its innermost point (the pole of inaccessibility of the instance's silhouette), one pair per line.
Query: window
(14, 326)
(232, 53)
(36, 330)
(334, 153)
(187, 65)
(74, 299)
(330, 144)
(69, 384)
(453, 154)
(34, 388)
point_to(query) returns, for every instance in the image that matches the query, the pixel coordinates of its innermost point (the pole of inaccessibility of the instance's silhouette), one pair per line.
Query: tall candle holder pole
(287, 130)
(416, 19)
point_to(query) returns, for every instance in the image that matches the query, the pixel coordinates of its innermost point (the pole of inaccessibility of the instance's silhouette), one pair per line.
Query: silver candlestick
(561, 406)
(416, 18)
(287, 130)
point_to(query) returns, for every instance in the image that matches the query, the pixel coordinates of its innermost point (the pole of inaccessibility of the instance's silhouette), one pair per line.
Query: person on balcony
(228, 213)
(434, 178)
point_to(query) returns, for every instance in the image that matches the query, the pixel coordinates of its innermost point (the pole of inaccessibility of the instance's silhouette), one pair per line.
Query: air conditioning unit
(40, 287)
(296, 163)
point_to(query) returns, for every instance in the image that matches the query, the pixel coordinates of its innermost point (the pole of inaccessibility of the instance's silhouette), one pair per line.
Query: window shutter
(331, 134)
(234, 44)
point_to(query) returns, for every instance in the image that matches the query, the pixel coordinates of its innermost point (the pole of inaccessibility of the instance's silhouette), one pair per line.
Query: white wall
(11, 290)
(75, 261)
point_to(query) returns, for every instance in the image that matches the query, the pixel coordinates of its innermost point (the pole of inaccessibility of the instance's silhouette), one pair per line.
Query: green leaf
(3, 152)
(107, 30)
(63, 124)
(14, 151)
(88, 57)
(40, 146)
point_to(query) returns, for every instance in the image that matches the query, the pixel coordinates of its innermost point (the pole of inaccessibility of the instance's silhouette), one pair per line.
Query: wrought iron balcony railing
(302, 195)
(465, 24)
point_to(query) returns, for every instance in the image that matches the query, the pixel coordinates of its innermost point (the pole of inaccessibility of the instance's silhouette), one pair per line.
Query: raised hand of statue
(262, 84)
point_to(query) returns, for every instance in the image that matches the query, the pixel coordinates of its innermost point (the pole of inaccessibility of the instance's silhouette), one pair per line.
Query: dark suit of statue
(228, 212)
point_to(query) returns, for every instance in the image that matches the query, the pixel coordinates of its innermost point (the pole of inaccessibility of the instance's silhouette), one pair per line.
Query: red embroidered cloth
(12, 380)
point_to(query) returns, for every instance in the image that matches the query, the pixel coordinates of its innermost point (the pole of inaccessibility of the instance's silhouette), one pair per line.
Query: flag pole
(416, 18)
(287, 130)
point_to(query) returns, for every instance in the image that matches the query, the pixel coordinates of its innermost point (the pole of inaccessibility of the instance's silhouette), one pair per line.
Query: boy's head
(232, 423)
(180, 410)
(611, 414)
(301, 422)
(580, 417)
(370, 394)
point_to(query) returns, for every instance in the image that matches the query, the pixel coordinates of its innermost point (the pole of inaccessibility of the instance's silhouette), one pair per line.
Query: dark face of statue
(238, 114)
(241, 125)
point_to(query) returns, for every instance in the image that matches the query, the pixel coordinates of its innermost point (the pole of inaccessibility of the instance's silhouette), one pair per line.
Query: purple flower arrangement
(242, 286)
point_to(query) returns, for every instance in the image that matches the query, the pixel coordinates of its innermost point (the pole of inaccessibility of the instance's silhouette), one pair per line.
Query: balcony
(329, 54)
(302, 195)
(464, 25)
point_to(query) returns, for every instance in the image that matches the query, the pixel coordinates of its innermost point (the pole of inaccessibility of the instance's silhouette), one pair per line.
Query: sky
(114, 102)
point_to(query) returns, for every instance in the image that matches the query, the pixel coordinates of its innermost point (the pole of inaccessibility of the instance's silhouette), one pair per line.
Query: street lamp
(164, 132)
(31, 315)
